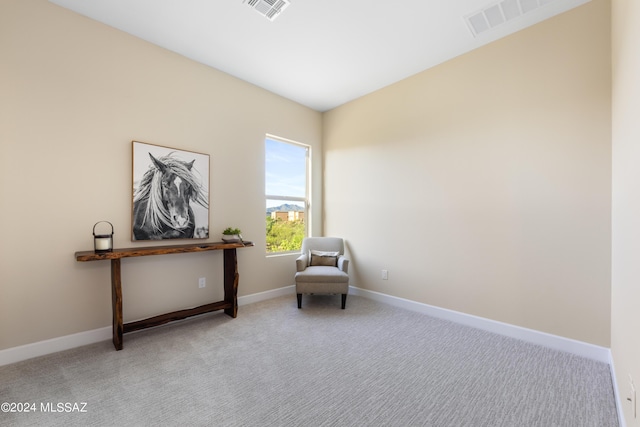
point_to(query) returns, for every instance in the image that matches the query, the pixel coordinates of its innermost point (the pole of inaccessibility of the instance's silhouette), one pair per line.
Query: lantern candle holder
(102, 242)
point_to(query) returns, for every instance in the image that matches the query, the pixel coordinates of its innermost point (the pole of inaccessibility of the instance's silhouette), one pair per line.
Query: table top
(158, 250)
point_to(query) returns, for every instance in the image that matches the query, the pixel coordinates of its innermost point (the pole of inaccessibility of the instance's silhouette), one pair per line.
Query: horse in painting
(162, 201)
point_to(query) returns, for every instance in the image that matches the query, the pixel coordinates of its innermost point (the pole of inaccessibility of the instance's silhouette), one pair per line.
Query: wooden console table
(231, 277)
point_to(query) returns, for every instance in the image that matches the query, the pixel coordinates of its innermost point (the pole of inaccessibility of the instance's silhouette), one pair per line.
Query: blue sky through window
(285, 169)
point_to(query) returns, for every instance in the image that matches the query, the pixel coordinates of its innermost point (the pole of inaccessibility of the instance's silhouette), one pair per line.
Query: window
(286, 194)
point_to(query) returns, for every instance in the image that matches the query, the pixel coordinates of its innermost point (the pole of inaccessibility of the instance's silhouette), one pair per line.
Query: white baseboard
(54, 345)
(616, 394)
(590, 351)
(263, 296)
(602, 354)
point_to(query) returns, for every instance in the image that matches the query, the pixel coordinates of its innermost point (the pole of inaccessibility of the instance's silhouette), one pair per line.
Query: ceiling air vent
(501, 12)
(270, 9)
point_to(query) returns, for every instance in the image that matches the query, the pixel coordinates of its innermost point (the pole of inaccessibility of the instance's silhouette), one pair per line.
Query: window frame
(306, 200)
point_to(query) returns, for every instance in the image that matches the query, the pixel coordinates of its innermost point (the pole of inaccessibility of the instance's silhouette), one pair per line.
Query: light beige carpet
(274, 365)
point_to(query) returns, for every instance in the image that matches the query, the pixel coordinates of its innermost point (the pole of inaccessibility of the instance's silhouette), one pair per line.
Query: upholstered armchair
(322, 268)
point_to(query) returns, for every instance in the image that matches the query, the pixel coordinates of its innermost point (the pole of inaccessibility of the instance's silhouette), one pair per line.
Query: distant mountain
(284, 208)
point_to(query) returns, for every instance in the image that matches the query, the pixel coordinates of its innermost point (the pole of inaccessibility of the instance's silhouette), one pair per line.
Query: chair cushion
(322, 273)
(324, 258)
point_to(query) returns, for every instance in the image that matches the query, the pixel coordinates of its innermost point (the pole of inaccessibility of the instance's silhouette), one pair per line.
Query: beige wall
(625, 295)
(498, 163)
(74, 94)
(483, 184)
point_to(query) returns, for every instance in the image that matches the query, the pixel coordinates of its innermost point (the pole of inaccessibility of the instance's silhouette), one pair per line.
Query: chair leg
(299, 300)
(344, 300)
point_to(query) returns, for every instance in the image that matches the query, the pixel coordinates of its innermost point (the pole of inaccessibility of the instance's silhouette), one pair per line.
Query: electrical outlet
(631, 397)
(202, 282)
(385, 274)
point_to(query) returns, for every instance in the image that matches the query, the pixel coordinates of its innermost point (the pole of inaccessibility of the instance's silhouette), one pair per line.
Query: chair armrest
(343, 263)
(301, 262)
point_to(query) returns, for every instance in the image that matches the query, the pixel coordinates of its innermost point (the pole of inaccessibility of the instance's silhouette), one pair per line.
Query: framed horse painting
(170, 193)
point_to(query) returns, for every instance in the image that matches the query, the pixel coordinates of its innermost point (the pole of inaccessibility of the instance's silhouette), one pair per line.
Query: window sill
(283, 254)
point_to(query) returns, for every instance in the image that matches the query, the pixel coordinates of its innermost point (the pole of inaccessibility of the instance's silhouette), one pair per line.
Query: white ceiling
(319, 53)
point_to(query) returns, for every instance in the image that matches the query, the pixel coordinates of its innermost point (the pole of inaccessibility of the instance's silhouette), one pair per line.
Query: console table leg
(116, 303)
(231, 278)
